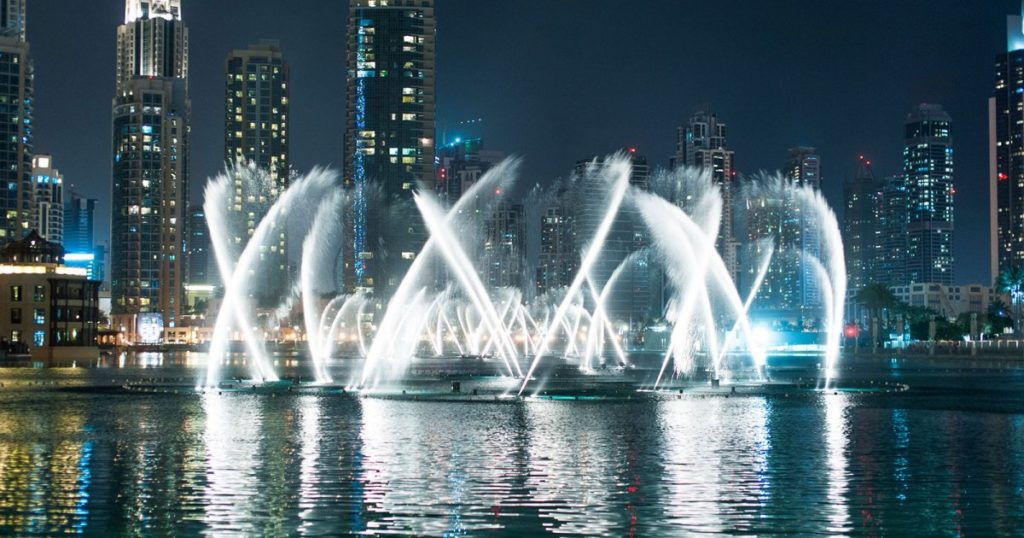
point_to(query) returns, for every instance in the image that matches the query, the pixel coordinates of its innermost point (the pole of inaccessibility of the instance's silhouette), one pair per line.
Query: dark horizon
(843, 84)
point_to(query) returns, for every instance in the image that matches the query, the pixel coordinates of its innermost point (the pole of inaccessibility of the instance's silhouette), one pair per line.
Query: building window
(16, 293)
(40, 316)
(39, 295)
(39, 338)
(15, 316)
(15, 336)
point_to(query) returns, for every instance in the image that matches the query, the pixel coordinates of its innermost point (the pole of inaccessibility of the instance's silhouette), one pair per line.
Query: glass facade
(16, 101)
(256, 133)
(151, 132)
(390, 134)
(928, 177)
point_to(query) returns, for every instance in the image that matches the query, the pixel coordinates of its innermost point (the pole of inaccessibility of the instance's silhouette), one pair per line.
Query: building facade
(790, 285)
(48, 197)
(17, 206)
(702, 144)
(1006, 152)
(389, 136)
(256, 133)
(861, 233)
(151, 131)
(928, 177)
(47, 309)
(80, 249)
(504, 247)
(558, 258)
(949, 301)
(632, 300)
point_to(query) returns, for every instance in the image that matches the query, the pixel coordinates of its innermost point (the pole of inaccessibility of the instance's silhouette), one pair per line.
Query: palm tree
(1011, 282)
(876, 298)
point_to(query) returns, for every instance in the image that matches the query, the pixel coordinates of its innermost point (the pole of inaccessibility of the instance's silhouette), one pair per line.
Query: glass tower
(389, 136)
(150, 164)
(928, 177)
(1006, 152)
(17, 206)
(256, 134)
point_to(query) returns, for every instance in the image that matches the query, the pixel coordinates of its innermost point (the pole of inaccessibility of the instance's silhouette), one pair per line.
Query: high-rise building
(17, 207)
(460, 164)
(79, 222)
(80, 249)
(389, 137)
(861, 233)
(1006, 152)
(48, 194)
(151, 127)
(504, 247)
(890, 251)
(202, 269)
(256, 133)
(631, 300)
(12, 19)
(702, 144)
(928, 176)
(790, 284)
(558, 258)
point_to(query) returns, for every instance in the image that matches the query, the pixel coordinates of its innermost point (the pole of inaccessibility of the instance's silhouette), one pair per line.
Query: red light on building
(852, 331)
(1003, 176)
(632, 150)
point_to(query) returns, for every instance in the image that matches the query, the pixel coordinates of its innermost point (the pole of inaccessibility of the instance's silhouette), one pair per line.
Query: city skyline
(763, 121)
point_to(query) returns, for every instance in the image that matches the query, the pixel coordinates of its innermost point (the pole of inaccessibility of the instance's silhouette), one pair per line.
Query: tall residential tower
(17, 205)
(928, 178)
(389, 137)
(151, 133)
(1006, 152)
(702, 144)
(256, 134)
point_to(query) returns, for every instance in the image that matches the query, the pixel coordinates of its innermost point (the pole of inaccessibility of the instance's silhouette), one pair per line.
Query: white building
(48, 191)
(949, 301)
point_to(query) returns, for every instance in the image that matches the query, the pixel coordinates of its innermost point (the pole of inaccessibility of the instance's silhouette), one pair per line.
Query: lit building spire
(151, 9)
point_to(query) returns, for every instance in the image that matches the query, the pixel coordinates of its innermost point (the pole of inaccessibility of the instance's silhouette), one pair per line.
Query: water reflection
(232, 437)
(813, 463)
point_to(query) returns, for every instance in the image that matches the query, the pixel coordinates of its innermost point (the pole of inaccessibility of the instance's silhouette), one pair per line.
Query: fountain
(442, 307)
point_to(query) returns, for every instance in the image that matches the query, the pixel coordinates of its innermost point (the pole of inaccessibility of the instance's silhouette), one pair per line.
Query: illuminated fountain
(442, 307)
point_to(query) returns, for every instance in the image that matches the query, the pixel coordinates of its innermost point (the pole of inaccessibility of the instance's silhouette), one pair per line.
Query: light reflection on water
(112, 463)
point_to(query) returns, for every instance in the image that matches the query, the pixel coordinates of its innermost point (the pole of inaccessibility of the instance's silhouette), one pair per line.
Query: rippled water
(106, 462)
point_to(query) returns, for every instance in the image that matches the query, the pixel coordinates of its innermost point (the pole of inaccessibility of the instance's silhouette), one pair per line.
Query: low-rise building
(949, 301)
(48, 309)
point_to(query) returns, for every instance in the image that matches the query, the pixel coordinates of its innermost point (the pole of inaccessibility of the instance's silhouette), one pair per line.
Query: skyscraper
(151, 112)
(702, 144)
(558, 258)
(1006, 152)
(631, 300)
(12, 19)
(48, 194)
(790, 284)
(79, 226)
(928, 176)
(803, 168)
(460, 164)
(16, 97)
(202, 269)
(504, 247)
(861, 232)
(256, 133)
(389, 137)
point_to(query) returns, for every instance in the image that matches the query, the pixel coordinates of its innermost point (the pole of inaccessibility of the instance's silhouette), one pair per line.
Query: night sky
(557, 81)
